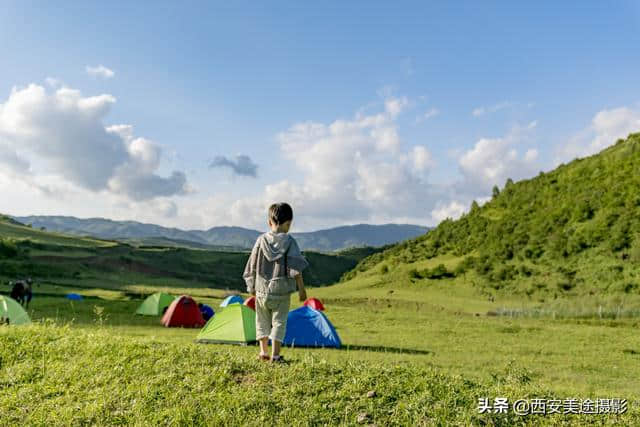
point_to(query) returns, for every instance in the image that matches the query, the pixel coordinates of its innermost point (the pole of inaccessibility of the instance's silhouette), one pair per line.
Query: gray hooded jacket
(267, 261)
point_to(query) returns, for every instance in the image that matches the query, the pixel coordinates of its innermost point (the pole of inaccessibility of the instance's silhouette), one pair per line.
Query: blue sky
(400, 81)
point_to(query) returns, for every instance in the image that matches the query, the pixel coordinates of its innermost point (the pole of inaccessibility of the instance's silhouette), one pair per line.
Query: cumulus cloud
(492, 160)
(16, 168)
(481, 111)
(360, 170)
(347, 170)
(9, 160)
(242, 165)
(453, 210)
(100, 71)
(64, 132)
(606, 127)
(421, 159)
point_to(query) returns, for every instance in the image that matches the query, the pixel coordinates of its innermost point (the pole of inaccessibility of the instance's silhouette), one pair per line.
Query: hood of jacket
(274, 245)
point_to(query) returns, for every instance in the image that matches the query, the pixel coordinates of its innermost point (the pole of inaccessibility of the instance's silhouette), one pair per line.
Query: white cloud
(10, 160)
(531, 155)
(606, 127)
(481, 111)
(395, 106)
(100, 71)
(346, 171)
(492, 160)
(166, 208)
(427, 115)
(452, 210)
(63, 133)
(421, 158)
(53, 82)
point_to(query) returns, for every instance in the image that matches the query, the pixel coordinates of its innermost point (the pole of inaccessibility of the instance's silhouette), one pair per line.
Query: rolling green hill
(572, 231)
(81, 262)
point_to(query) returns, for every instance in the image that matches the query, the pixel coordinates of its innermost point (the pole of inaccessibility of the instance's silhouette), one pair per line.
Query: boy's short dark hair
(279, 213)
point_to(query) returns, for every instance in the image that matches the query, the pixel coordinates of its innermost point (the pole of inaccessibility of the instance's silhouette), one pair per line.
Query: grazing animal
(21, 291)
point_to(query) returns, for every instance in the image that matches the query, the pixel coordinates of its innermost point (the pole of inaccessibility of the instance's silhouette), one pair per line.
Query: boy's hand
(302, 295)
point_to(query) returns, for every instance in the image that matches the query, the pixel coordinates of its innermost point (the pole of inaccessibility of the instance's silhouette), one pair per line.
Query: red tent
(251, 303)
(183, 312)
(314, 303)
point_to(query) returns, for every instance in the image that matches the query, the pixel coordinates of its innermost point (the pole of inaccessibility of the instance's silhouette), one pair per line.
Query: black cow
(21, 291)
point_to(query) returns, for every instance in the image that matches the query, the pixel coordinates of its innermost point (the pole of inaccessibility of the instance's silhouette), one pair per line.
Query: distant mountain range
(231, 237)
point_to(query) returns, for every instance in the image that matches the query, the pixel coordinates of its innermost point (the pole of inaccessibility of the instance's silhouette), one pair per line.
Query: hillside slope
(89, 263)
(574, 230)
(328, 240)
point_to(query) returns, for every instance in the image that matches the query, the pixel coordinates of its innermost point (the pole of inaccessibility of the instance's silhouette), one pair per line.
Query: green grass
(20, 232)
(428, 349)
(54, 375)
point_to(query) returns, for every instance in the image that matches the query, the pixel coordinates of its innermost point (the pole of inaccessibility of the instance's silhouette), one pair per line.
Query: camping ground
(426, 350)
(418, 347)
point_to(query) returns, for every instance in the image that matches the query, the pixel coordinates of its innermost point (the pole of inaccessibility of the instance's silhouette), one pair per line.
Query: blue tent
(307, 327)
(75, 297)
(207, 311)
(232, 299)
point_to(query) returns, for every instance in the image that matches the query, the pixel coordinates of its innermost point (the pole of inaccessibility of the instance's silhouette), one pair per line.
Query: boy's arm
(302, 293)
(249, 274)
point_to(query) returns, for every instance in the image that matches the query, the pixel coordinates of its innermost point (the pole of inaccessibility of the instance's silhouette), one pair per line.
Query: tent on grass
(155, 304)
(75, 297)
(12, 313)
(236, 324)
(231, 299)
(207, 311)
(183, 312)
(307, 327)
(251, 303)
(314, 303)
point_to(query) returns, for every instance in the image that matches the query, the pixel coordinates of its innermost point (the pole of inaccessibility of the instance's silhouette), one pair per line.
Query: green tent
(11, 312)
(235, 324)
(155, 305)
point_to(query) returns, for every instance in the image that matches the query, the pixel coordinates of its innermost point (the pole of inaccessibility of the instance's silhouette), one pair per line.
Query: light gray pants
(271, 318)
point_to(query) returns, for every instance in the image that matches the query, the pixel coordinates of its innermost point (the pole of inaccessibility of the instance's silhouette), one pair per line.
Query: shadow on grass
(384, 349)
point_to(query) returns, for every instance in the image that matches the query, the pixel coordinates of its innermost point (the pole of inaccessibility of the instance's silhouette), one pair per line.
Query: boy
(273, 272)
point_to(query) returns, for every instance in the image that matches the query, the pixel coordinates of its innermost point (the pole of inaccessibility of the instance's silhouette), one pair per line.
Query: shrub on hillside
(436, 273)
(8, 248)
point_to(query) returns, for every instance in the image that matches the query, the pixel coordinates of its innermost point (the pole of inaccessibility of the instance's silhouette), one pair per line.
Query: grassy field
(429, 349)
(417, 350)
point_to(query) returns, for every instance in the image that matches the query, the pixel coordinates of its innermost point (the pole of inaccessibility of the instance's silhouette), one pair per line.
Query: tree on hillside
(495, 192)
